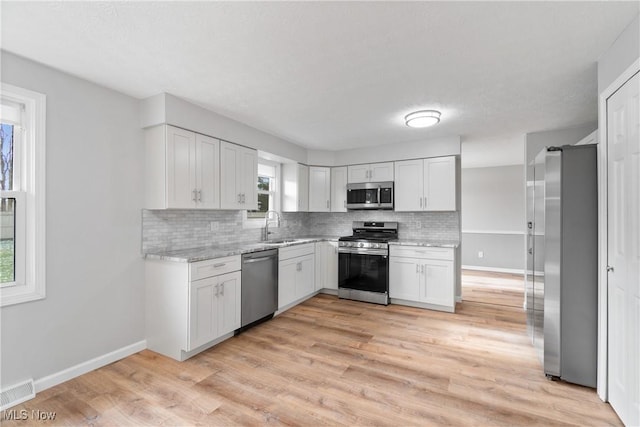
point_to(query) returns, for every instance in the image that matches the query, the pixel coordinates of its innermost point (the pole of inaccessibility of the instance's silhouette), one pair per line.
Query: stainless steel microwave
(370, 195)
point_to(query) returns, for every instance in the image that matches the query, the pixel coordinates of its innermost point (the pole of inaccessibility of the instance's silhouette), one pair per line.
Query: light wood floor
(337, 362)
(493, 288)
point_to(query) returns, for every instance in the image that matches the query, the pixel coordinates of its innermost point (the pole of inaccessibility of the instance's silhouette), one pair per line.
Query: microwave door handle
(378, 195)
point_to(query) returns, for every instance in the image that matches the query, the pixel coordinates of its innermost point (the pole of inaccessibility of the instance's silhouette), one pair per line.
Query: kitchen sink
(280, 242)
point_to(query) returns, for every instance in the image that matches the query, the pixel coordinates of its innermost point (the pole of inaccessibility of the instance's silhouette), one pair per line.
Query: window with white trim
(22, 178)
(268, 193)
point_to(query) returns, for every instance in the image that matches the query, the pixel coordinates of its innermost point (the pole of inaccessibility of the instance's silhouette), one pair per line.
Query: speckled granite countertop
(219, 251)
(428, 243)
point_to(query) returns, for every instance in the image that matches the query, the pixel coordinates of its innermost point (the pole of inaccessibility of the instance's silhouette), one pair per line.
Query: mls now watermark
(24, 415)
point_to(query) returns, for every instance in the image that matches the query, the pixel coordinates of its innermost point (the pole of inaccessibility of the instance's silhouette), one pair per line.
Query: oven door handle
(379, 201)
(362, 251)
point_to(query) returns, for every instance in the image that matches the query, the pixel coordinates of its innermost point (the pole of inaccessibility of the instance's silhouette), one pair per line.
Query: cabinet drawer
(296, 251)
(421, 252)
(214, 267)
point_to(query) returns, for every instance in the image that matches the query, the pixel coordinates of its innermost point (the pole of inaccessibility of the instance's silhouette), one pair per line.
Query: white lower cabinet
(214, 308)
(191, 306)
(422, 276)
(296, 274)
(326, 265)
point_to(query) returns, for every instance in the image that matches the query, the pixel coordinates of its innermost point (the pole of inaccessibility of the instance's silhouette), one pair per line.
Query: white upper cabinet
(182, 169)
(339, 189)
(440, 184)
(426, 185)
(208, 172)
(238, 177)
(319, 189)
(295, 187)
(408, 187)
(374, 172)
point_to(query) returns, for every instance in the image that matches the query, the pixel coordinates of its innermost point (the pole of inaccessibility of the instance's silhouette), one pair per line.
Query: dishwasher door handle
(252, 260)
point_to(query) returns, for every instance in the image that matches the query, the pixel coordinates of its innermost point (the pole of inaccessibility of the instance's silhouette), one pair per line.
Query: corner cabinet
(319, 189)
(426, 184)
(238, 177)
(422, 277)
(374, 172)
(295, 187)
(182, 169)
(296, 274)
(191, 306)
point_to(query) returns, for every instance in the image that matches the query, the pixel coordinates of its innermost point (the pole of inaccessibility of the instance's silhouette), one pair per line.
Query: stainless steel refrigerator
(562, 310)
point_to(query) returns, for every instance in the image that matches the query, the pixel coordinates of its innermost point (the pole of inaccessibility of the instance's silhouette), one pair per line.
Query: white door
(208, 172)
(319, 189)
(339, 189)
(404, 278)
(380, 172)
(228, 305)
(181, 168)
(303, 188)
(358, 173)
(202, 312)
(623, 122)
(230, 194)
(408, 186)
(440, 184)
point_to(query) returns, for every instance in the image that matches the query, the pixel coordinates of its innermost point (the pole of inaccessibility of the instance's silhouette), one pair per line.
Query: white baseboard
(495, 269)
(88, 366)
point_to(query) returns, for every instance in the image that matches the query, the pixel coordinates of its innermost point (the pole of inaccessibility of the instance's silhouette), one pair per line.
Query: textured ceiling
(341, 74)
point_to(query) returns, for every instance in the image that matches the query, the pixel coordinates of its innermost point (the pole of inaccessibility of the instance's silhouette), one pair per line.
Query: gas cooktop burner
(370, 235)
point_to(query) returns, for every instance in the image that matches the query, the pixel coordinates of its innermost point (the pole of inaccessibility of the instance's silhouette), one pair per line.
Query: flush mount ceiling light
(422, 118)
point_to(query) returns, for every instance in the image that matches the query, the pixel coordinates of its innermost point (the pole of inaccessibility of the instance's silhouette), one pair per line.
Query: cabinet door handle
(220, 264)
(217, 290)
(199, 195)
(239, 198)
(194, 195)
(417, 268)
(344, 203)
(425, 202)
(222, 290)
(243, 198)
(420, 202)
(422, 268)
(327, 204)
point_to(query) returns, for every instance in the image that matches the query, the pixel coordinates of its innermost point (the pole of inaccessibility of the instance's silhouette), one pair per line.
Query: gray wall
(94, 193)
(620, 55)
(493, 217)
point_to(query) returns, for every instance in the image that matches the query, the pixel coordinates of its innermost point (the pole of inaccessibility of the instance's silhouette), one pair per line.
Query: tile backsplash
(183, 229)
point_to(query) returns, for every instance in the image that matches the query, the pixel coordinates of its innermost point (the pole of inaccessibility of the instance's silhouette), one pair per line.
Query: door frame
(603, 145)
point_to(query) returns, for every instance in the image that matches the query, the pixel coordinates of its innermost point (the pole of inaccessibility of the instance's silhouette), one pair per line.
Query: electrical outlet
(480, 254)
(213, 226)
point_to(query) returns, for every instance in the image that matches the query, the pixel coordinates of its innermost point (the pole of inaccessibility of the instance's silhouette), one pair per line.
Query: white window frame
(259, 222)
(30, 200)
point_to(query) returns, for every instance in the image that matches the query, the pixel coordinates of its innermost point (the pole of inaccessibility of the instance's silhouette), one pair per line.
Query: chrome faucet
(265, 230)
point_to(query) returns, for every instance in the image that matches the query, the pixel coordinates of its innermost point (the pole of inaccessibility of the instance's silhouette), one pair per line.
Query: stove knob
(361, 245)
(348, 244)
(376, 245)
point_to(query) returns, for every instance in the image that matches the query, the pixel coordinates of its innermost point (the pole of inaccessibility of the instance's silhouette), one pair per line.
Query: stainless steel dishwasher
(259, 287)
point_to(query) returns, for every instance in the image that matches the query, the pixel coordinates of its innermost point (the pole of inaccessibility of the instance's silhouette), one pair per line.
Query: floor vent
(17, 394)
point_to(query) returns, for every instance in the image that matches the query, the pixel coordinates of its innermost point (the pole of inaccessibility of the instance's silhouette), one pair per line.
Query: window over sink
(268, 193)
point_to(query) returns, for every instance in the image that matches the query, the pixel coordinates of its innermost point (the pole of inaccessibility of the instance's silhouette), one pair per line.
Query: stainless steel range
(363, 260)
